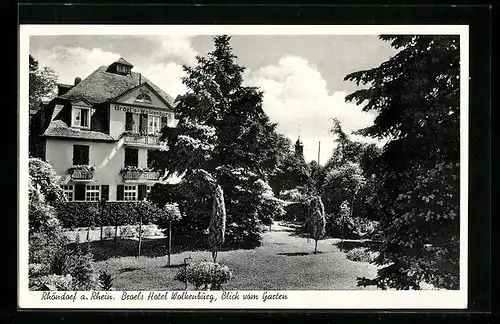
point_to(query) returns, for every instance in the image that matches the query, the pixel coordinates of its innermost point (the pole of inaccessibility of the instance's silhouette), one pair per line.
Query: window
(153, 124)
(68, 192)
(81, 117)
(131, 156)
(148, 191)
(143, 98)
(130, 193)
(92, 193)
(81, 154)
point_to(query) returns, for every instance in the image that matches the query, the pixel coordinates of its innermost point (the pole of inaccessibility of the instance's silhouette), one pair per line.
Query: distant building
(99, 133)
(299, 148)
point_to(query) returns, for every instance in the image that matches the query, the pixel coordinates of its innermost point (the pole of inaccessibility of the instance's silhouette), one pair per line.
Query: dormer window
(81, 117)
(143, 98)
(121, 67)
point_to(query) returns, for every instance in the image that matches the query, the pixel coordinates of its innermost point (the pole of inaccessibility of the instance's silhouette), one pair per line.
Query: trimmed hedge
(83, 214)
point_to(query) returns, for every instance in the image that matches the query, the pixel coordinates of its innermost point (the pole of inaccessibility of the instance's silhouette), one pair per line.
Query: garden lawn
(284, 262)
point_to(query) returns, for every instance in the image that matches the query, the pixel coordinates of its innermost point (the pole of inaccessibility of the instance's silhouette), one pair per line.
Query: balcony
(82, 172)
(143, 140)
(138, 175)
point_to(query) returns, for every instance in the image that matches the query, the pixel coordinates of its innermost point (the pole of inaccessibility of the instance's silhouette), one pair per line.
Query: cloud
(174, 46)
(297, 98)
(70, 62)
(167, 76)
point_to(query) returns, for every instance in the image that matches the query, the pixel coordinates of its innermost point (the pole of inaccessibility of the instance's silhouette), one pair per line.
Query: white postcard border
(322, 299)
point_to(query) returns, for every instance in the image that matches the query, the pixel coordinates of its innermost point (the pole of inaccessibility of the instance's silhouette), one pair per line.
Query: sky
(302, 76)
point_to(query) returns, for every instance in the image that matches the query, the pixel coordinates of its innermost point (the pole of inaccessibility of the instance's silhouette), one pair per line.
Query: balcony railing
(141, 175)
(81, 174)
(143, 139)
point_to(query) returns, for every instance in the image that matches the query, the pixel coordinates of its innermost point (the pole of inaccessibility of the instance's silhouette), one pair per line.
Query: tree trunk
(169, 241)
(88, 237)
(316, 247)
(116, 235)
(140, 237)
(214, 255)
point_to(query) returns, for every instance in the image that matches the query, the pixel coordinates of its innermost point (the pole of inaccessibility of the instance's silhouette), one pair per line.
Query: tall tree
(416, 97)
(223, 130)
(42, 83)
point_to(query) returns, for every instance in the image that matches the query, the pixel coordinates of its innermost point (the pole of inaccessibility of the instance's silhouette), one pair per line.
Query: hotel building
(99, 134)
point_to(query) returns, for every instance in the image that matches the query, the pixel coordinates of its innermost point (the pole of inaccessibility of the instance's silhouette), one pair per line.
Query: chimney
(77, 80)
(140, 78)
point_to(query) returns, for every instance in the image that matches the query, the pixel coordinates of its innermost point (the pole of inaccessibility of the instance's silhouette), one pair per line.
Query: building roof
(101, 86)
(59, 128)
(121, 60)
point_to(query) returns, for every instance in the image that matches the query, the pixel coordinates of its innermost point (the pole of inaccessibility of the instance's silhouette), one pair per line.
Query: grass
(284, 262)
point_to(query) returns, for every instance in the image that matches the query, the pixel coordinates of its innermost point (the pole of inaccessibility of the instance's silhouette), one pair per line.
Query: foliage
(47, 250)
(292, 171)
(129, 168)
(347, 150)
(83, 214)
(224, 131)
(217, 226)
(296, 212)
(416, 95)
(42, 83)
(105, 281)
(85, 168)
(208, 274)
(43, 177)
(317, 178)
(342, 184)
(51, 282)
(41, 216)
(109, 232)
(129, 231)
(354, 227)
(360, 254)
(81, 268)
(317, 219)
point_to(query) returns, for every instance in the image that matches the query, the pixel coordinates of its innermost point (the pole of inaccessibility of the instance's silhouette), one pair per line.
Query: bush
(361, 254)
(354, 227)
(296, 212)
(149, 231)
(208, 274)
(128, 231)
(81, 268)
(83, 214)
(109, 232)
(52, 282)
(47, 252)
(105, 281)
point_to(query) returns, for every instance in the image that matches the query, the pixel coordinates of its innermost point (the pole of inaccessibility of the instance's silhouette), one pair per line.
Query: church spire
(299, 148)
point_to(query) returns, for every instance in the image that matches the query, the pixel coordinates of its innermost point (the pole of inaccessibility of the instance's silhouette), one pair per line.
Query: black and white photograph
(233, 166)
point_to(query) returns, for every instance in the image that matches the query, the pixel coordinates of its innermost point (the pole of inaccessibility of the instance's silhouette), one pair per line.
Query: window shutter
(119, 192)
(127, 156)
(85, 153)
(143, 123)
(129, 121)
(76, 152)
(79, 192)
(142, 192)
(105, 192)
(135, 157)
